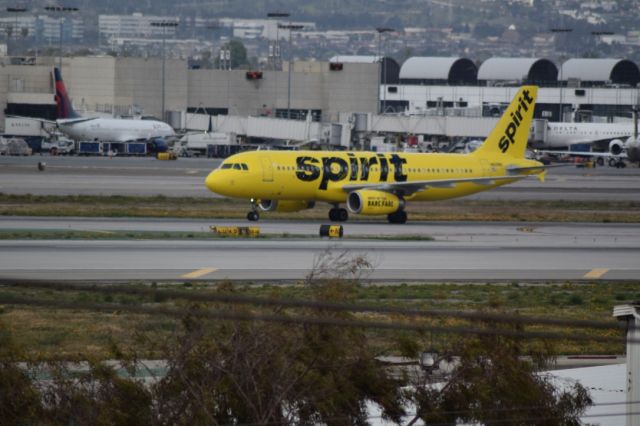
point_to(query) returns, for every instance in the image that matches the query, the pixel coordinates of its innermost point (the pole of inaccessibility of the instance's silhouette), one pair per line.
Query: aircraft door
(486, 167)
(267, 168)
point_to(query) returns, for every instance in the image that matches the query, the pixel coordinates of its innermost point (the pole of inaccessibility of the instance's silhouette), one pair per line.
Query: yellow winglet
(541, 176)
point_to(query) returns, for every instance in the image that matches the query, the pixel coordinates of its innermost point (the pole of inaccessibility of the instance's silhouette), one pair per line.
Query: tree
(493, 384)
(238, 54)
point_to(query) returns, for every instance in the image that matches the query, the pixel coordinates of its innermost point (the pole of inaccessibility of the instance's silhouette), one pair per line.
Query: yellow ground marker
(596, 273)
(198, 273)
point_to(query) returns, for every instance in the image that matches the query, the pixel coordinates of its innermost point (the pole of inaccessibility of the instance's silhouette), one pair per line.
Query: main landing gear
(399, 216)
(253, 215)
(337, 214)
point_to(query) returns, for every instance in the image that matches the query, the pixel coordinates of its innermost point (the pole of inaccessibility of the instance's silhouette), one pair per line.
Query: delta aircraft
(372, 183)
(102, 129)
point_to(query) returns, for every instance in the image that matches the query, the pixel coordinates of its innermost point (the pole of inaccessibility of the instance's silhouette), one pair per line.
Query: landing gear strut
(253, 215)
(337, 214)
(399, 216)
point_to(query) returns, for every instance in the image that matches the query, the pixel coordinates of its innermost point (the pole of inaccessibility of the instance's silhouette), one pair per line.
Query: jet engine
(284, 205)
(633, 149)
(373, 202)
(616, 146)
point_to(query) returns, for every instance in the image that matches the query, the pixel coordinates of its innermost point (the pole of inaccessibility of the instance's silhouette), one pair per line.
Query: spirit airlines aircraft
(103, 129)
(379, 184)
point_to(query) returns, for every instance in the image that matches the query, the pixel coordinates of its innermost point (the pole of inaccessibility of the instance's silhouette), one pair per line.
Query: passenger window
(226, 166)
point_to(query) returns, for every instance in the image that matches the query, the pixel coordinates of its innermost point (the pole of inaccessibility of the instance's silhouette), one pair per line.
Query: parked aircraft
(379, 183)
(617, 137)
(103, 129)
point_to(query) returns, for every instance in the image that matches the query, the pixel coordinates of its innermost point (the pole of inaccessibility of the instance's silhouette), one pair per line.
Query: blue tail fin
(63, 104)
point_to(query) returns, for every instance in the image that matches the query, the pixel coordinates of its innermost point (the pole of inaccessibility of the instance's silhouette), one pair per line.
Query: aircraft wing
(408, 188)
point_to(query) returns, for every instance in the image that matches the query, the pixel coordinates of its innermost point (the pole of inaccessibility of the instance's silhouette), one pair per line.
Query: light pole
(60, 9)
(164, 25)
(16, 11)
(561, 31)
(381, 74)
(291, 28)
(276, 57)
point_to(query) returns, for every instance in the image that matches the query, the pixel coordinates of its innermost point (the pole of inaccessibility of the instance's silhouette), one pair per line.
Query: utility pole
(631, 314)
(381, 74)
(276, 57)
(164, 25)
(291, 28)
(61, 10)
(560, 82)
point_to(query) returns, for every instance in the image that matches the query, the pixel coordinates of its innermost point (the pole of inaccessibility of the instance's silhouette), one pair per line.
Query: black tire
(600, 161)
(253, 216)
(343, 215)
(398, 217)
(612, 162)
(333, 216)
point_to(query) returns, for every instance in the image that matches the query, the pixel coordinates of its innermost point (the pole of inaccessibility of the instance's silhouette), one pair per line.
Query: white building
(134, 26)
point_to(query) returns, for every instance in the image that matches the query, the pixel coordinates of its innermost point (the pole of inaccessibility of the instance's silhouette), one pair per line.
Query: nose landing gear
(253, 215)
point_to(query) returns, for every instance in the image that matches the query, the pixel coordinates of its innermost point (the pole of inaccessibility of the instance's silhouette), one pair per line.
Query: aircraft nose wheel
(397, 217)
(338, 215)
(253, 216)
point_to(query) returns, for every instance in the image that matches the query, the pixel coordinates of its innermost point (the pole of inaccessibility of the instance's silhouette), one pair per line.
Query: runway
(477, 252)
(185, 178)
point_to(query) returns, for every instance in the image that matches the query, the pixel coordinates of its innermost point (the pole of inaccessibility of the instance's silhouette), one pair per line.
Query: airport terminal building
(425, 95)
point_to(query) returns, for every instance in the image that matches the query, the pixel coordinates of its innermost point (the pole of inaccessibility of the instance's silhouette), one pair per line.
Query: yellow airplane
(375, 183)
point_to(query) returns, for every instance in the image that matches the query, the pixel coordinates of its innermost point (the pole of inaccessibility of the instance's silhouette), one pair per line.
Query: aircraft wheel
(600, 161)
(338, 215)
(343, 215)
(397, 217)
(253, 216)
(612, 162)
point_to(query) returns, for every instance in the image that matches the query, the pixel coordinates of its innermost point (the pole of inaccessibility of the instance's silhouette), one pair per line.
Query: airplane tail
(510, 136)
(63, 104)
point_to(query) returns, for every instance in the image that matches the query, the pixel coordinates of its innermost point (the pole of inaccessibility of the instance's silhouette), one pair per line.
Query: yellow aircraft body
(373, 183)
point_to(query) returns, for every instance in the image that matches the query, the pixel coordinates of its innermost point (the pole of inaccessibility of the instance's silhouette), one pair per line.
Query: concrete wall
(313, 86)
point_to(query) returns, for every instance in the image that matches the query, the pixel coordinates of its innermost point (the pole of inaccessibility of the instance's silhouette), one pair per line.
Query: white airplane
(618, 136)
(103, 129)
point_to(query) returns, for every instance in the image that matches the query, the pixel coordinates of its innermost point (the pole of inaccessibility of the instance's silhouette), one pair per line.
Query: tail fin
(509, 137)
(63, 104)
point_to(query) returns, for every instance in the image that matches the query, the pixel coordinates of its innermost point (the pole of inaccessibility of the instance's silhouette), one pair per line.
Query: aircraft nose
(212, 182)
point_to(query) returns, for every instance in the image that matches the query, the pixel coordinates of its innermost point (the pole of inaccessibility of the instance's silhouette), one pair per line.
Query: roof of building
(620, 71)
(531, 70)
(439, 68)
(355, 59)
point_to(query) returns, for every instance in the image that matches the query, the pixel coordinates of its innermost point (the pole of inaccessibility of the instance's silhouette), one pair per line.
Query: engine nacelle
(616, 147)
(373, 202)
(633, 149)
(285, 205)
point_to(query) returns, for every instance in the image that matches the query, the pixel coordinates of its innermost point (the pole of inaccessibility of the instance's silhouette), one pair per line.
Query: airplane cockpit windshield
(235, 166)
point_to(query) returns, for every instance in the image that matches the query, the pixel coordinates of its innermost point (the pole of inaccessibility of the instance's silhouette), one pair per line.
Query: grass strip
(218, 208)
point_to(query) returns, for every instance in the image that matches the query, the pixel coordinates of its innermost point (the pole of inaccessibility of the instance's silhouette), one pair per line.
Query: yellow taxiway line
(596, 273)
(199, 273)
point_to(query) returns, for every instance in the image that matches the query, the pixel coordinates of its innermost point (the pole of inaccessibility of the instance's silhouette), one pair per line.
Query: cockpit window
(244, 166)
(237, 166)
(226, 166)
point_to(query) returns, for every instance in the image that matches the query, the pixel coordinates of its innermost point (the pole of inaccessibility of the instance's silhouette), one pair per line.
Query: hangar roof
(527, 70)
(452, 69)
(619, 71)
